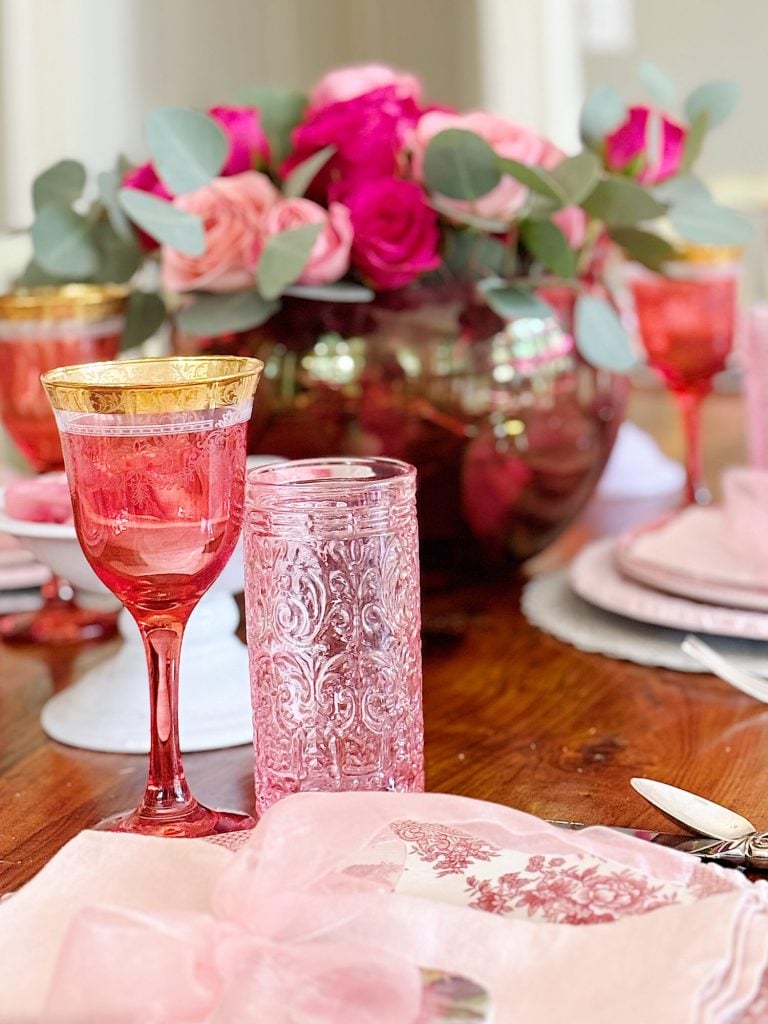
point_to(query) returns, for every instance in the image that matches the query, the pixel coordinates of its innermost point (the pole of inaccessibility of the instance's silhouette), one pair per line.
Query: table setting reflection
(466, 672)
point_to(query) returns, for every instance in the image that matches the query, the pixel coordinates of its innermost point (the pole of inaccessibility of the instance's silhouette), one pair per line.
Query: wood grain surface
(512, 715)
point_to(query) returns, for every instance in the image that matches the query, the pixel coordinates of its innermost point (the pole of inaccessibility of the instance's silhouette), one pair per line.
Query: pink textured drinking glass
(333, 621)
(154, 451)
(754, 360)
(686, 322)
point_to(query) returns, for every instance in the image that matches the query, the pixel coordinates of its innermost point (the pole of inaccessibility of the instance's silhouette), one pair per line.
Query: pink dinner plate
(688, 554)
(595, 576)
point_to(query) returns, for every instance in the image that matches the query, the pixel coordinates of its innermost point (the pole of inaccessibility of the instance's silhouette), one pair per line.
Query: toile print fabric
(383, 908)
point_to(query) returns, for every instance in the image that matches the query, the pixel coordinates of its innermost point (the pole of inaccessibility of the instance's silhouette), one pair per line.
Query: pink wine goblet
(40, 329)
(154, 451)
(686, 321)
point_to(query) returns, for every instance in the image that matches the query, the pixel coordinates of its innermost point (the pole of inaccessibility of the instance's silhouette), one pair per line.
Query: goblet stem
(167, 794)
(696, 491)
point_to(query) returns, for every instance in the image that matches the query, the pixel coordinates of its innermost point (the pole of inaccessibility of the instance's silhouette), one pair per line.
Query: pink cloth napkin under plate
(328, 910)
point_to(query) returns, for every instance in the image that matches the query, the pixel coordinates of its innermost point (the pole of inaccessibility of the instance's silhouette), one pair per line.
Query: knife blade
(696, 845)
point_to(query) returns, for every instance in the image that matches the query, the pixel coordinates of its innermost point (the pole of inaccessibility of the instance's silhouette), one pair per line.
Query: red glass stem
(689, 403)
(167, 794)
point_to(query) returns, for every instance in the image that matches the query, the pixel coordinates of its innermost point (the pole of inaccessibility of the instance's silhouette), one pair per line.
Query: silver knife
(748, 851)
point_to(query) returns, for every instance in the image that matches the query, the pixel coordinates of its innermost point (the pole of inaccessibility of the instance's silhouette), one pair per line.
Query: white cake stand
(108, 708)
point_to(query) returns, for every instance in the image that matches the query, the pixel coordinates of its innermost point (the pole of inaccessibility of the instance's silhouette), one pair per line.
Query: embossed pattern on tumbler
(333, 618)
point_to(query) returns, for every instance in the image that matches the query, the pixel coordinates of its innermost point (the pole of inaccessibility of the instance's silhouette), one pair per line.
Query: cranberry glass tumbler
(333, 619)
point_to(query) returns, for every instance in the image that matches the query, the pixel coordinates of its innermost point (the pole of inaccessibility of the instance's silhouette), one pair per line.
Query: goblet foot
(196, 822)
(58, 623)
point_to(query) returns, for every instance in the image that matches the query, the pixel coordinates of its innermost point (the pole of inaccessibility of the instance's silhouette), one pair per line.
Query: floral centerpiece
(363, 192)
(363, 185)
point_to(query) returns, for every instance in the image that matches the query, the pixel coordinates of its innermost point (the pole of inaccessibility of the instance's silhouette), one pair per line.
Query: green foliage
(700, 220)
(284, 257)
(601, 115)
(600, 335)
(109, 188)
(146, 312)
(165, 223)
(188, 147)
(651, 250)
(512, 301)
(210, 315)
(546, 243)
(715, 99)
(281, 111)
(577, 176)
(659, 86)
(63, 243)
(59, 185)
(474, 255)
(620, 202)
(460, 165)
(299, 180)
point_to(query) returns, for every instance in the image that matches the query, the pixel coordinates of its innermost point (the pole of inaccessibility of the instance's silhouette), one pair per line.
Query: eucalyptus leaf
(547, 244)
(705, 223)
(109, 186)
(620, 202)
(469, 254)
(659, 86)
(59, 185)
(716, 99)
(460, 165)
(161, 220)
(472, 220)
(694, 141)
(577, 176)
(33, 276)
(535, 178)
(211, 315)
(342, 291)
(281, 111)
(538, 207)
(188, 147)
(600, 335)
(63, 243)
(643, 246)
(146, 313)
(118, 260)
(283, 258)
(511, 302)
(601, 115)
(683, 186)
(299, 180)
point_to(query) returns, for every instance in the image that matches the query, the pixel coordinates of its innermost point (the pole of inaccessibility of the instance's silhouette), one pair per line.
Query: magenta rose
(628, 149)
(248, 145)
(329, 259)
(347, 83)
(368, 132)
(232, 210)
(396, 234)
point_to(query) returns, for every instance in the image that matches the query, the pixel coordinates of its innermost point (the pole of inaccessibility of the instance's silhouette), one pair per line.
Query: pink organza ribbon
(273, 949)
(294, 937)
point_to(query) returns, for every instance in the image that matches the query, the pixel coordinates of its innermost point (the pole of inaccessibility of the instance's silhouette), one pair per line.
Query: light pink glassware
(333, 618)
(754, 359)
(154, 451)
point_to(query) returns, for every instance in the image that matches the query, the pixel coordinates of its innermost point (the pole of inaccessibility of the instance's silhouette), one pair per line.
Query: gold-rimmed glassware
(40, 329)
(155, 456)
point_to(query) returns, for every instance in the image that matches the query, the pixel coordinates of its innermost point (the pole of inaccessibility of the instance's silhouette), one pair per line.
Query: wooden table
(512, 715)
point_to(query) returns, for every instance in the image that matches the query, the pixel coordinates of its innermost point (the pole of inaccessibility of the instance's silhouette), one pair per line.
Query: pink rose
(329, 259)
(507, 139)
(347, 83)
(232, 210)
(396, 234)
(628, 148)
(248, 145)
(368, 132)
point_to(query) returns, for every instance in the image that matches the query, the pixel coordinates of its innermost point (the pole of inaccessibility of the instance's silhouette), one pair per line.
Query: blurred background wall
(78, 76)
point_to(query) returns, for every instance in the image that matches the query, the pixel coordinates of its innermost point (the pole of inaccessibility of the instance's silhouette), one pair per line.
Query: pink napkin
(745, 509)
(325, 914)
